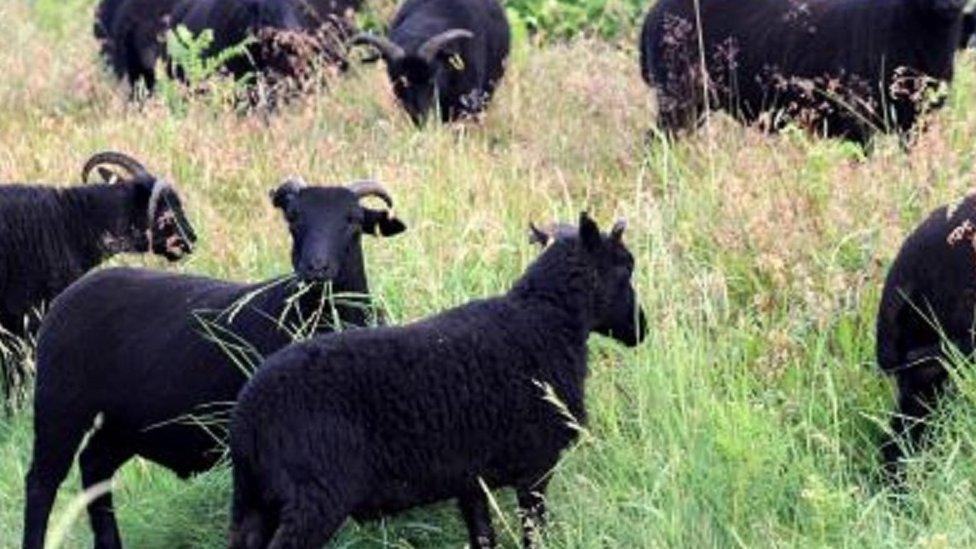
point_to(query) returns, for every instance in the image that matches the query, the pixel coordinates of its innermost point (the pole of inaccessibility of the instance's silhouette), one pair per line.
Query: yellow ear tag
(456, 62)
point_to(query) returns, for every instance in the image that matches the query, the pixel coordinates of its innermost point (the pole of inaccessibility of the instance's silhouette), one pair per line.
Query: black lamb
(148, 352)
(842, 68)
(449, 51)
(927, 305)
(485, 395)
(51, 236)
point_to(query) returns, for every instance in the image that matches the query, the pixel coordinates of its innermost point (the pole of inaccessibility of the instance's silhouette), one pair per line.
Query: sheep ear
(381, 223)
(617, 232)
(538, 236)
(589, 232)
(107, 175)
(142, 193)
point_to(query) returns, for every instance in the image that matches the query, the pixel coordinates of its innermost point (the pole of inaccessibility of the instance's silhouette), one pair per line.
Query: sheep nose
(318, 269)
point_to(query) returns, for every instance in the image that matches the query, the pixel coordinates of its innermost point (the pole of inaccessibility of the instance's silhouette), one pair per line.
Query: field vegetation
(751, 415)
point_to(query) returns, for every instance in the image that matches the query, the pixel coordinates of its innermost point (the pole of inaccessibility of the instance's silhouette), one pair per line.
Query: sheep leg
(919, 388)
(474, 509)
(532, 507)
(251, 522)
(102, 456)
(55, 443)
(249, 530)
(310, 524)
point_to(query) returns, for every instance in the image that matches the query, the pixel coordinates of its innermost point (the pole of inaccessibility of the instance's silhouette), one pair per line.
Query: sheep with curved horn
(453, 51)
(123, 359)
(51, 236)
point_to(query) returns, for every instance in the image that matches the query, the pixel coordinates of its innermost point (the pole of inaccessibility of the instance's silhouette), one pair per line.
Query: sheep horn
(389, 50)
(112, 158)
(538, 236)
(617, 232)
(362, 189)
(429, 49)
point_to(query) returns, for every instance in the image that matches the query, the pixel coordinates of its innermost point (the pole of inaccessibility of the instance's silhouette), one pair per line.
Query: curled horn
(291, 184)
(617, 232)
(429, 49)
(551, 232)
(294, 183)
(112, 158)
(538, 236)
(362, 189)
(157, 193)
(389, 50)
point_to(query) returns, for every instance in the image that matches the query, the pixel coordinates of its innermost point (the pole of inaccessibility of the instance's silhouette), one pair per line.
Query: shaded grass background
(751, 415)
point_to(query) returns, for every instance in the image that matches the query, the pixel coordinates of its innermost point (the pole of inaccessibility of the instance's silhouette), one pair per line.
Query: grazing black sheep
(233, 21)
(129, 32)
(283, 34)
(372, 422)
(51, 236)
(928, 299)
(822, 64)
(148, 351)
(453, 51)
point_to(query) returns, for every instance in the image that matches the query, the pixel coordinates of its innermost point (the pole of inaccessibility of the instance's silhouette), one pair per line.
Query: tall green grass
(752, 414)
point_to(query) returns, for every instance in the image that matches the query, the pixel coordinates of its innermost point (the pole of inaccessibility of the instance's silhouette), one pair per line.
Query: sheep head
(414, 75)
(326, 224)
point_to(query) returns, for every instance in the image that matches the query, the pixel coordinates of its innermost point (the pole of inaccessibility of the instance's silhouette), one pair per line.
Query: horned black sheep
(927, 304)
(373, 422)
(147, 351)
(50, 236)
(822, 64)
(451, 50)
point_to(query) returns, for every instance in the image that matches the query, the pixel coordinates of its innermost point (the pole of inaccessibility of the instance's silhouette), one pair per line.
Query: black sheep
(281, 34)
(51, 236)
(146, 351)
(373, 422)
(928, 300)
(234, 21)
(130, 35)
(822, 64)
(451, 51)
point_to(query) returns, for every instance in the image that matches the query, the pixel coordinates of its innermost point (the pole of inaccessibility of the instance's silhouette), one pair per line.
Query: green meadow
(751, 415)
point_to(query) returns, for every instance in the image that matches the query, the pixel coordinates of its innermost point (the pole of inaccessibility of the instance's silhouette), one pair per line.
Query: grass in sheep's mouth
(750, 416)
